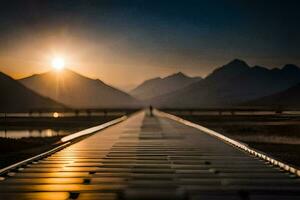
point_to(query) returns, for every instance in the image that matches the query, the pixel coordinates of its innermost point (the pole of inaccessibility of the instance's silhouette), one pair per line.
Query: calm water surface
(62, 114)
(34, 133)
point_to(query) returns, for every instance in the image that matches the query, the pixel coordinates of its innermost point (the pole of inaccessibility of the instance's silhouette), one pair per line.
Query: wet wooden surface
(149, 158)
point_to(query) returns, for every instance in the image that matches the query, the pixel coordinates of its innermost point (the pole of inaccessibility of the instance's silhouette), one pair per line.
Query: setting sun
(58, 63)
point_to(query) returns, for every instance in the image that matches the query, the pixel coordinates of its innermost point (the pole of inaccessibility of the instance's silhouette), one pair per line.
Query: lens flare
(58, 63)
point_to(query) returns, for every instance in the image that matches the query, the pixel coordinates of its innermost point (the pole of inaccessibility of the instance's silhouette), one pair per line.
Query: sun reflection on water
(55, 114)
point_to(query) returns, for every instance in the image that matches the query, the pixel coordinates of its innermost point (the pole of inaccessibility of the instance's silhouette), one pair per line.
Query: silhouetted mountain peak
(231, 69)
(290, 67)
(3, 76)
(231, 84)
(158, 86)
(99, 81)
(17, 98)
(64, 72)
(178, 74)
(237, 64)
(181, 76)
(76, 90)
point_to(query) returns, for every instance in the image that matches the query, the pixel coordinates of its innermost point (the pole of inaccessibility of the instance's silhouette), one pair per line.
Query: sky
(125, 42)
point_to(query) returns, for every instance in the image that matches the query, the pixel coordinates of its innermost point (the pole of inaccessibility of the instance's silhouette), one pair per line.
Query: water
(62, 114)
(33, 133)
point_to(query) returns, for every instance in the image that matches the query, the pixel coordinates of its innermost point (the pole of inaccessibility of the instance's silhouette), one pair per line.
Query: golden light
(55, 115)
(58, 63)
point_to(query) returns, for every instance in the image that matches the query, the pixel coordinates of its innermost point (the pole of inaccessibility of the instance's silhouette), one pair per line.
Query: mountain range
(17, 98)
(287, 98)
(77, 91)
(234, 84)
(158, 86)
(231, 85)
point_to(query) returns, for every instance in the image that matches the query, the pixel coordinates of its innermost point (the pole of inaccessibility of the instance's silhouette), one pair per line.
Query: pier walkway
(147, 157)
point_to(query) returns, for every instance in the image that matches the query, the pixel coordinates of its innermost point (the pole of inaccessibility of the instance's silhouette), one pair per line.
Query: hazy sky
(124, 42)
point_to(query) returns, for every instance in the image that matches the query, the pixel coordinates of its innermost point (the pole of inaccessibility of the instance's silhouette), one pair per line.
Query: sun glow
(55, 115)
(58, 63)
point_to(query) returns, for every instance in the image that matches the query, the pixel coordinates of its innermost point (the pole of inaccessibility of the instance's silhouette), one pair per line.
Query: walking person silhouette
(151, 111)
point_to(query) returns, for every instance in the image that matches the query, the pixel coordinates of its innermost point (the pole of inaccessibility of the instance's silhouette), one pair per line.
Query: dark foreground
(149, 158)
(15, 150)
(277, 135)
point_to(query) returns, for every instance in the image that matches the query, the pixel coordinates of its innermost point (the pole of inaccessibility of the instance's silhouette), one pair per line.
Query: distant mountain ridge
(230, 85)
(78, 91)
(289, 98)
(17, 98)
(159, 86)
